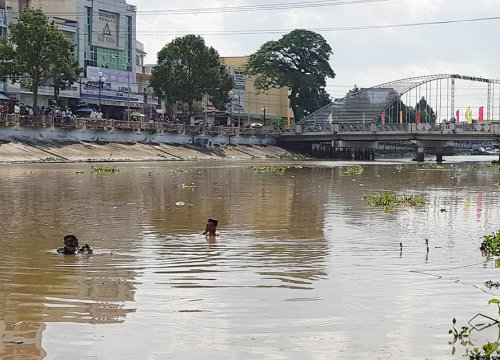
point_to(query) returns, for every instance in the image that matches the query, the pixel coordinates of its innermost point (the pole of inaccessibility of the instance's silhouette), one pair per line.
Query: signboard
(116, 84)
(105, 29)
(239, 79)
(237, 105)
(112, 76)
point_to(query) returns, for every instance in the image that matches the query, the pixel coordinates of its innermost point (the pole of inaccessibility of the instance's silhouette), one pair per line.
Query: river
(303, 268)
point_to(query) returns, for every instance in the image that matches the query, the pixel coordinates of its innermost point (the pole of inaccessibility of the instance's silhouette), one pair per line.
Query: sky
(362, 57)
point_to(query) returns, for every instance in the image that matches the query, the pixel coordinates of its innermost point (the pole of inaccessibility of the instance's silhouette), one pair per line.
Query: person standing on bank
(71, 247)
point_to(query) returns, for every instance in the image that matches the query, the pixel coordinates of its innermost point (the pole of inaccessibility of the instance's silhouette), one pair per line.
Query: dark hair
(70, 237)
(215, 222)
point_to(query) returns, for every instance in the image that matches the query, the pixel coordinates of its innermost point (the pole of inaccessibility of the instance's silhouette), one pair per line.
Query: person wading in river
(71, 247)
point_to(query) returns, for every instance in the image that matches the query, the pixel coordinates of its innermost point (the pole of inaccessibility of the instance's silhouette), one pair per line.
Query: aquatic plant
(433, 166)
(491, 284)
(497, 184)
(493, 166)
(103, 169)
(352, 170)
(488, 351)
(187, 185)
(390, 200)
(274, 170)
(178, 171)
(400, 168)
(491, 244)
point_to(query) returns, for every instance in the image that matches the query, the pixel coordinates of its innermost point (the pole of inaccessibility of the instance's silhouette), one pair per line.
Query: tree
(37, 52)
(299, 61)
(187, 70)
(427, 113)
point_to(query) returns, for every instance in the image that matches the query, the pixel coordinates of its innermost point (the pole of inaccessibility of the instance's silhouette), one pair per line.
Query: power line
(335, 29)
(246, 8)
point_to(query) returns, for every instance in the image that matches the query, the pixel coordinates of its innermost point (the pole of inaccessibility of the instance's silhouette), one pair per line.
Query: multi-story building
(104, 34)
(249, 105)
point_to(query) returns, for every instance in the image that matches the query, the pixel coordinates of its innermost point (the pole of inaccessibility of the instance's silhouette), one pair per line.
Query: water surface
(303, 269)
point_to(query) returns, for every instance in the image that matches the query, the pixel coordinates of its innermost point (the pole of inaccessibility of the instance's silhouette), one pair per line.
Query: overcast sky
(362, 57)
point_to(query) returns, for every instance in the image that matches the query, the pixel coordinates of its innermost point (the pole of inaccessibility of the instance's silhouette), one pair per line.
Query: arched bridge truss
(396, 101)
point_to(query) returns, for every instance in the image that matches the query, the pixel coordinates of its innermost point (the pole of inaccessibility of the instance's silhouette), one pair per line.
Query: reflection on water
(303, 267)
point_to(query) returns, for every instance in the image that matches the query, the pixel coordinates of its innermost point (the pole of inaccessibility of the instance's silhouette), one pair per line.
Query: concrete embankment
(18, 151)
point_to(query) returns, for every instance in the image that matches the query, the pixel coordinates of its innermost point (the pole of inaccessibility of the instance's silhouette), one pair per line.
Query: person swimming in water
(211, 230)
(71, 247)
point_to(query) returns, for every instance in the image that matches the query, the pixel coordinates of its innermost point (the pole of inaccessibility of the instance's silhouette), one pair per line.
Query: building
(104, 34)
(248, 105)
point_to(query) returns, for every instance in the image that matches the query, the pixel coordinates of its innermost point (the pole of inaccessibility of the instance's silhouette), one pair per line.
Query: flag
(457, 116)
(417, 117)
(382, 117)
(401, 117)
(481, 115)
(468, 115)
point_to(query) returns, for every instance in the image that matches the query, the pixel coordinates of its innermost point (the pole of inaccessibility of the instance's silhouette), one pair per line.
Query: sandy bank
(35, 151)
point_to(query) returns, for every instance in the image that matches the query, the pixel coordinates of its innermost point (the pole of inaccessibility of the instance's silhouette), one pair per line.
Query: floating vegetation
(352, 170)
(187, 185)
(490, 284)
(436, 166)
(389, 200)
(490, 350)
(103, 169)
(178, 171)
(400, 168)
(274, 170)
(491, 244)
(493, 166)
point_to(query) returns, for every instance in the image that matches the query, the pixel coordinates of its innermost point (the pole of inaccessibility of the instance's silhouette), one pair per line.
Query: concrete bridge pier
(438, 145)
(420, 154)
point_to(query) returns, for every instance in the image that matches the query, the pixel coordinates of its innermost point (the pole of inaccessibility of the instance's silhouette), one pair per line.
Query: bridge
(385, 113)
(359, 136)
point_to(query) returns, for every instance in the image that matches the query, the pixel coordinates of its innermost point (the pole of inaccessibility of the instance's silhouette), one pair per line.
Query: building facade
(104, 33)
(248, 105)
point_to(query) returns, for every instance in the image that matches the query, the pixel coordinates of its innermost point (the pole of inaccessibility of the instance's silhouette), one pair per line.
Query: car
(256, 125)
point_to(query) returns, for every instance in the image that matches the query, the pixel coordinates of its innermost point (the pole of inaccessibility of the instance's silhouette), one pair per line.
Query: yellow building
(248, 104)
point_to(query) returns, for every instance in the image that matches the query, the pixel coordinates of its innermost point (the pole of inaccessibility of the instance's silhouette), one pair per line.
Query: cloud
(362, 57)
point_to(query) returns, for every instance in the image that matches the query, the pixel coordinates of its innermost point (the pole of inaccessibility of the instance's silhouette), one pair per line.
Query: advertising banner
(105, 29)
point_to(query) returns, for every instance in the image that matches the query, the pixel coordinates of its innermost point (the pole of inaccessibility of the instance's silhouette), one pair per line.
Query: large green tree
(37, 52)
(299, 61)
(187, 70)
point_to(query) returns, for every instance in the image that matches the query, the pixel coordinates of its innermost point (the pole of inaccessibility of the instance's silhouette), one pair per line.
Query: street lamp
(114, 56)
(102, 80)
(264, 110)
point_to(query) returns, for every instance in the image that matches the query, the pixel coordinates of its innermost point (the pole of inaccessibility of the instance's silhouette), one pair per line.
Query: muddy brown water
(303, 268)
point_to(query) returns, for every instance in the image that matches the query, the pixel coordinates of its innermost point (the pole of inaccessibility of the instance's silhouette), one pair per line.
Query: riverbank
(26, 151)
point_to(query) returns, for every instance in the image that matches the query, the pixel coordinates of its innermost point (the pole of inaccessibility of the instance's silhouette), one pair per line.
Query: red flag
(481, 114)
(457, 115)
(382, 117)
(417, 117)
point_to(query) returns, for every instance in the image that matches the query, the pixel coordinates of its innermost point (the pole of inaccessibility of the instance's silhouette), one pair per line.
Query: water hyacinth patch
(491, 244)
(352, 170)
(273, 170)
(390, 200)
(103, 169)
